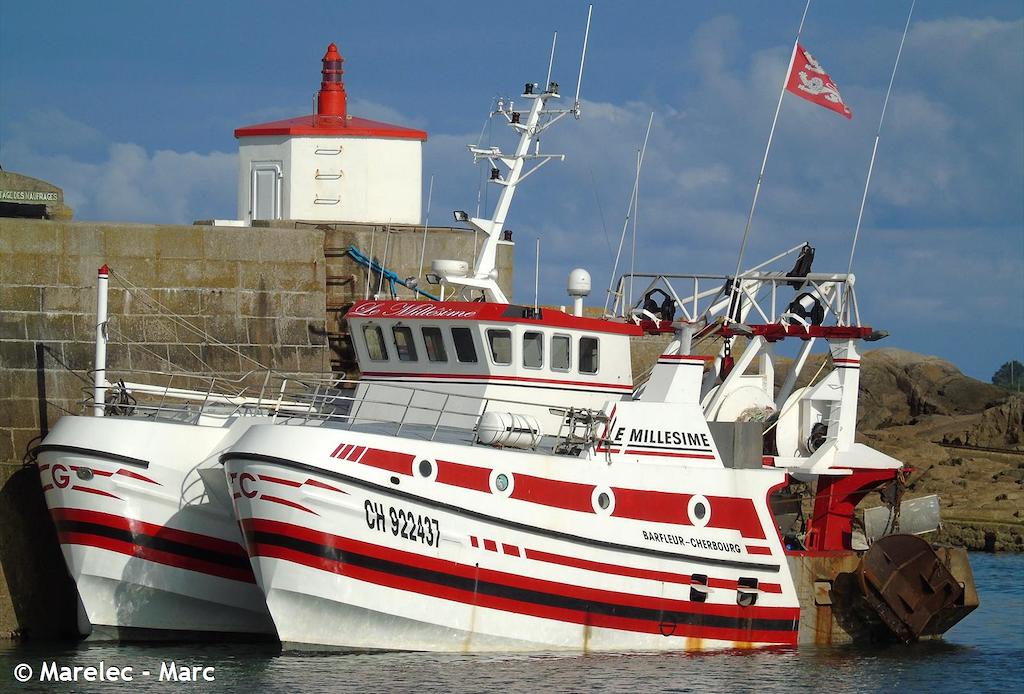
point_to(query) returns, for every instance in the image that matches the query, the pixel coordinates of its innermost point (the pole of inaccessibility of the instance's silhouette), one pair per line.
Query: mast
(510, 170)
(767, 149)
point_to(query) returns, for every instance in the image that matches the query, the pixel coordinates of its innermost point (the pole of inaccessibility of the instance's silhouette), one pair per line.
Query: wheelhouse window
(434, 343)
(589, 355)
(404, 343)
(375, 347)
(500, 342)
(561, 346)
(465, 349)
(533, 350)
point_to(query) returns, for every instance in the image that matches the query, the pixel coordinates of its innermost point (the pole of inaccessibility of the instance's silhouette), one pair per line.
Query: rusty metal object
(903, 579)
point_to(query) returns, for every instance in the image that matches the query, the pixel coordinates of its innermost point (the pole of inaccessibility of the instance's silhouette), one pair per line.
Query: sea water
(985, 652)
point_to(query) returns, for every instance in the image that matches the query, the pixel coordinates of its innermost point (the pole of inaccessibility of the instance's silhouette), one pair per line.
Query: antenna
(509, 170)
(878, 135)
(629, 211)
(426, 223)
(536, 278)
(636, 213)
(767, 149)
(551, 60)
(583, 58)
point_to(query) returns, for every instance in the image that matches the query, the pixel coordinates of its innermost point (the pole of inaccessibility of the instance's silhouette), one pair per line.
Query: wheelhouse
(465, 356)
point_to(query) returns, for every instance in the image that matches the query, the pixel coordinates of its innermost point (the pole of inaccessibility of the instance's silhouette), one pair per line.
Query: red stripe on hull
(279, 480)
(159, 557)
(465, 476)
(517, 582)
(727, 513)
(388, 460)
(547, 492)
(324, 485)
(657, 507)
(286, 502)
(137, 476)
(98, 492)
(139, 527)
(495, 377)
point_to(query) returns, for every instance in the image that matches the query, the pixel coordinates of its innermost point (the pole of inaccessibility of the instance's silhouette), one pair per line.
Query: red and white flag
(809, 80)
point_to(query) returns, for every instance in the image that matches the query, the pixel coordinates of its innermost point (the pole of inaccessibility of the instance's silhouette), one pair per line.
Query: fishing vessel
(498, 484)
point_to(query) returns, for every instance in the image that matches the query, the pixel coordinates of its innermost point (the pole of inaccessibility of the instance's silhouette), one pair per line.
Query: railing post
(100, 356)
(405, 412)
(437, 424)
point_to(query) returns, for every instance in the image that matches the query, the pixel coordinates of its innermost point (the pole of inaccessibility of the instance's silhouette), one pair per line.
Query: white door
(266, 190)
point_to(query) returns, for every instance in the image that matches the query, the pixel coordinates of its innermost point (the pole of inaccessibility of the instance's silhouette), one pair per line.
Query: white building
(330, 166)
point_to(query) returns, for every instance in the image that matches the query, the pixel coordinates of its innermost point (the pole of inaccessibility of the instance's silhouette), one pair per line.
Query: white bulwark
(330, 166)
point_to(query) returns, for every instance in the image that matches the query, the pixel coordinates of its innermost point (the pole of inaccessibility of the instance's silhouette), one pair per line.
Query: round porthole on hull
(425, 468)
(603, 500)
(502, 483)
(699, 510)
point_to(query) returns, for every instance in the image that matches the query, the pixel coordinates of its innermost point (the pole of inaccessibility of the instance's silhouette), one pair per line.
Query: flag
(808, 80)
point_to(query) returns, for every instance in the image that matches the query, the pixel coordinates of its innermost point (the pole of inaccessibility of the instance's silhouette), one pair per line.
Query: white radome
(579, 282)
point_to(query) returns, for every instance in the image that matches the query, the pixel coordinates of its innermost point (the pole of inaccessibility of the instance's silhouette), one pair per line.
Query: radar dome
(579, 282)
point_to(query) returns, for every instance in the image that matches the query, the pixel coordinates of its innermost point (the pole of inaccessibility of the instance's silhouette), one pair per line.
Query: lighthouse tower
(330, 166)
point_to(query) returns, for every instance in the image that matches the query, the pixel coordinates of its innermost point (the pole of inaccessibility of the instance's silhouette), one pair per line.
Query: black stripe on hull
(154, 542)
(90, 452)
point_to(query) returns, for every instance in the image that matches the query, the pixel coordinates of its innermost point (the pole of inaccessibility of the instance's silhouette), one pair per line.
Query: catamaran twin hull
(145, 524)
(366, 541)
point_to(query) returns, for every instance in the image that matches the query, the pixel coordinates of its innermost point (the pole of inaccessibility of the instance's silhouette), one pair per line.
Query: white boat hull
(497, 574)
(151, 544)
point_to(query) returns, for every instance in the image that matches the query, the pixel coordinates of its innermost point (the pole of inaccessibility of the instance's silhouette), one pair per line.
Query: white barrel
(451, 268)
(507, 429)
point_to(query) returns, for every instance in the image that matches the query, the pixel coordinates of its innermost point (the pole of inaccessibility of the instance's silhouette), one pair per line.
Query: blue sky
(130, 107)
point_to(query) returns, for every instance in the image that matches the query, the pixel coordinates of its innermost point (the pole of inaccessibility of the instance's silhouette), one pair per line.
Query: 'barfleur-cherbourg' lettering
(27, 195)
(664, 437)
(419, 309)
(695, 542)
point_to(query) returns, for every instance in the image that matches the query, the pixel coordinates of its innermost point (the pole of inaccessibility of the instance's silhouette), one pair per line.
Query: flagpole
(874, 149)
(767, 149)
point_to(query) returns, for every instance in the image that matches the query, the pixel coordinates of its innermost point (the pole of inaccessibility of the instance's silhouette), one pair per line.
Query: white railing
(758, 293)
(294, 399)
(764, 296)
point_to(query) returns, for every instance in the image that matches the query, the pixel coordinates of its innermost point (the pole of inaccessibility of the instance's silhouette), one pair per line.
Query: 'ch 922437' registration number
(405, 524)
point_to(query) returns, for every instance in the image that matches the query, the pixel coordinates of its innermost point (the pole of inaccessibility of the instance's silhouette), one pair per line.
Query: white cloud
(126, 182)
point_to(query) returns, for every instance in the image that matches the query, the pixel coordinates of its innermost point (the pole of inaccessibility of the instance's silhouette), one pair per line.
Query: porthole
(603, 501)
(699, 510)
(84, 473)
(502, 483)
(425, 468)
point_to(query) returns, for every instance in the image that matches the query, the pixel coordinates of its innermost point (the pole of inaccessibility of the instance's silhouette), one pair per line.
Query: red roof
(327, 126)
(485, 312)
